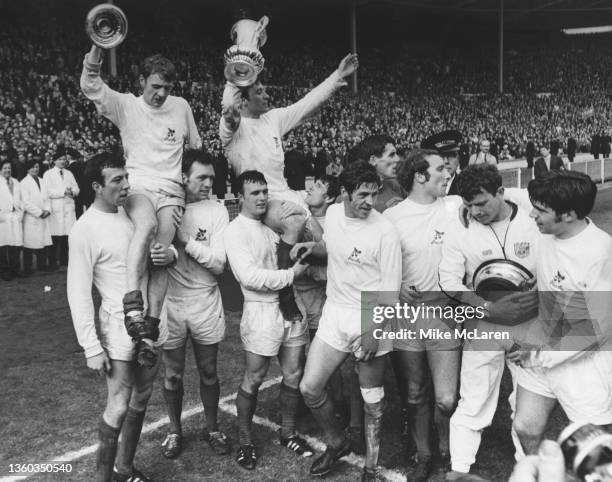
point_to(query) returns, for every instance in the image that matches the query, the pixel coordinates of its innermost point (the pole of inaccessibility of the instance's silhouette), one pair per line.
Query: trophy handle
(260, 32)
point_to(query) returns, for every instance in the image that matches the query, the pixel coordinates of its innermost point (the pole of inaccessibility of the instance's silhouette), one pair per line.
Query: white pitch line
(352, 459)
(226, 406)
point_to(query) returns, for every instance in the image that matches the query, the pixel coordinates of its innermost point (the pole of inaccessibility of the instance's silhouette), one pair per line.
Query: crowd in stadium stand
(558, 91)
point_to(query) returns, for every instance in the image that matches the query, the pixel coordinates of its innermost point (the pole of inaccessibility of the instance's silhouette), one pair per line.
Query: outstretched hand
(348, 65)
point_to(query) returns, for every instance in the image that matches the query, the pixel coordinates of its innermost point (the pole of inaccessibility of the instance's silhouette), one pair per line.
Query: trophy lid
(496, 276)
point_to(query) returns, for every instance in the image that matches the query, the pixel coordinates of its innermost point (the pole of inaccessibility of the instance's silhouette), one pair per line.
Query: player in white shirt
(571, 360)
(251, 252)
(363, 255)
(98, 256)
(422, 221)
(193, 302)
(310, 288)
(252, 133)
(154, 128)
(498, 229)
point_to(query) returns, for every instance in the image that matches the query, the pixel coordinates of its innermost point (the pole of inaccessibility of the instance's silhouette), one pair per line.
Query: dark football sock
(210, 400)
(420, 416)
(107, 449)
(356, 401)
(128, 441)
(290, 399)
(174, 404)
(245, 407)
(442, 426)
(323, 412)
(335, 386)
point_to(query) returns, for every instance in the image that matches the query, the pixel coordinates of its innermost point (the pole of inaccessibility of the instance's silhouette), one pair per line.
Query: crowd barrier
(600, 170)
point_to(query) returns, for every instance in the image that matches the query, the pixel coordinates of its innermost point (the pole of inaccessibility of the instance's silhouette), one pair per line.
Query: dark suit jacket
(453, 187)
(572, 145)
(539, 168)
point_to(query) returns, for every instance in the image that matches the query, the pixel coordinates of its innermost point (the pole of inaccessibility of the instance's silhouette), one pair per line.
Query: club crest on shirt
(170, 136)
(201, 235)
(557, 280)
(487, 252)
(521, 249)
(438, 237)
(354, 256)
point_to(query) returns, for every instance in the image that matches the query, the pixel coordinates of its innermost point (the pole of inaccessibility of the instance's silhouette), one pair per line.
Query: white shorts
(198, 312)
(583, 387)
(297, 197)
(115, 339)
(160, 194)
(421, 343)
(263, 330)
(340, 327)
(310, 301)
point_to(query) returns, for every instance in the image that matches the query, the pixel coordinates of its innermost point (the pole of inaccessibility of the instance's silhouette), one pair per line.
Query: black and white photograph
(296, 240)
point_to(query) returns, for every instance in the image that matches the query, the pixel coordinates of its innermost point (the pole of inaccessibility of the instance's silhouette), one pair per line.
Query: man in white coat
(37, 209)
(62, 188)
(11, 214)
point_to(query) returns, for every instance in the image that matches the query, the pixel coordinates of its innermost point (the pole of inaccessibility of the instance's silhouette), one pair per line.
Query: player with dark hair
(154, 128)
(193, 302)
(363, 254)
(310, 289)
(251, 133)
(264, 331)
(379, 151)
(98, 255)
(422, 221)
(497, 230)
(567, 359)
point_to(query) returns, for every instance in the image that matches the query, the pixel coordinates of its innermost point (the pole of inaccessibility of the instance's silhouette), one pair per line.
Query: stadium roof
(521, 14)
(520, 6)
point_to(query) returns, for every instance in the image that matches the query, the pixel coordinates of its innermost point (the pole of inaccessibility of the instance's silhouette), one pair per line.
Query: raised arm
(107, 101)
(289, 117)
(230, 113)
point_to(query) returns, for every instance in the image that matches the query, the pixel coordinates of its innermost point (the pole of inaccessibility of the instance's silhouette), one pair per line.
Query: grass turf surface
(50, 403)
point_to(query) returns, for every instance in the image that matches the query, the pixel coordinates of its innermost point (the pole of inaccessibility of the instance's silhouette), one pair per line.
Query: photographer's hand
(547, 466)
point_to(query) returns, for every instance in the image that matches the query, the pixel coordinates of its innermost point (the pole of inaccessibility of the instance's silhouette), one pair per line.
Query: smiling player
(154, 128)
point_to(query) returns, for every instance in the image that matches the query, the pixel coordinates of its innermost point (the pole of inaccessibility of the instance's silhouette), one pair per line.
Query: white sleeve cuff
(175, 251)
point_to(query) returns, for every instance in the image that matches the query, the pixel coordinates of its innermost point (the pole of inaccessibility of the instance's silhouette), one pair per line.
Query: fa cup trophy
(243, 60)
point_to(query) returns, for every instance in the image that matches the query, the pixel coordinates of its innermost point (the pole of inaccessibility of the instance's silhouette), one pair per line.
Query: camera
(587, 450)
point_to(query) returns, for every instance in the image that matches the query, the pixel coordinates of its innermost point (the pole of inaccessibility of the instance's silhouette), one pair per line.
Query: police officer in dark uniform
(448, 144)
